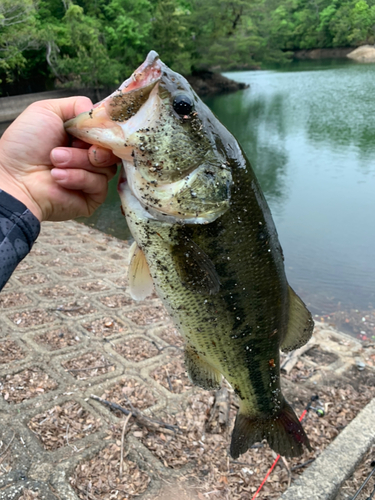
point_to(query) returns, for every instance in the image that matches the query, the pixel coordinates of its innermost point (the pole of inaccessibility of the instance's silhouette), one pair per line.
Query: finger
(68, 158)
(100, 157)
(95, 185)
(68, 107)
(77, 143)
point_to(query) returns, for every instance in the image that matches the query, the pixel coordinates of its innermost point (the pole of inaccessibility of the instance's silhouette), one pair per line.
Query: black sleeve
(19, 228)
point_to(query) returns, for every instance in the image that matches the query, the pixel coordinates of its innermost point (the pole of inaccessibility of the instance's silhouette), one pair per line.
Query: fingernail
(101, 155)
(60, 155)
(58, 174)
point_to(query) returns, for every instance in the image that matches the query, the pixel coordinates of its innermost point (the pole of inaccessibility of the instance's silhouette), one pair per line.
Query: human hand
(55, 176)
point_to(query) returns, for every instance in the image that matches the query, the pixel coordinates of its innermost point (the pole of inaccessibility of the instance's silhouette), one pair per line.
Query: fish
(205, 239)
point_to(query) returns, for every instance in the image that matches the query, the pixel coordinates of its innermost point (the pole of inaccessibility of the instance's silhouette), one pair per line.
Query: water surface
(309, 133)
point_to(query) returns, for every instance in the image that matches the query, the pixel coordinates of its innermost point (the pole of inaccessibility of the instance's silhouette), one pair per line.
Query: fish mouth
(148, 72)
(110, 122)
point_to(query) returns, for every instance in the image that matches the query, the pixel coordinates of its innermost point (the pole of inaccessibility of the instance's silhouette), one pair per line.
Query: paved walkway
(64, 314)
(69, 330)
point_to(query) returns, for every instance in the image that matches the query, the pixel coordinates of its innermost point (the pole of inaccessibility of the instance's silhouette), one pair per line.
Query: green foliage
(325, 23)
(86, 59)
(17, 35)
(170, 34)
(100, 42)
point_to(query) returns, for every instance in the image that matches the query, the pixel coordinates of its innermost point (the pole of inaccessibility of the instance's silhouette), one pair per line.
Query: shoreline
(327, 53)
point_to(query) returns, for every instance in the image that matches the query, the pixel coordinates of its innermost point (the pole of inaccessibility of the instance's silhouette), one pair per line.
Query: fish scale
(206, 239)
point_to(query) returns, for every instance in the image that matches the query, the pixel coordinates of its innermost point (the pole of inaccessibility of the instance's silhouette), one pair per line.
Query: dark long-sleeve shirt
(19, 228)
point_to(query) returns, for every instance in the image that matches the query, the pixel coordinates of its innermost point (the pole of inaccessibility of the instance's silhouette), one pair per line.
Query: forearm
(19, 228)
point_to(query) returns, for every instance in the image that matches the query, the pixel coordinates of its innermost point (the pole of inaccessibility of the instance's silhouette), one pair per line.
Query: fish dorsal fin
(200, 372)
(140, 280)
(195, 269)
(300, 326)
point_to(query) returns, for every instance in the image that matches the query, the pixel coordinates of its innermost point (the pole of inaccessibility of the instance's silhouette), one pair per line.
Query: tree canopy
(99, 42)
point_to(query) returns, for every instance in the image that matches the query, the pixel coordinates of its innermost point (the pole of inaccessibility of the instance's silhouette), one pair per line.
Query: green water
(309, 133)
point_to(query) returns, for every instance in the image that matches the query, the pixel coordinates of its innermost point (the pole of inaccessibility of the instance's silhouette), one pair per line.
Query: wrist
(12, 187)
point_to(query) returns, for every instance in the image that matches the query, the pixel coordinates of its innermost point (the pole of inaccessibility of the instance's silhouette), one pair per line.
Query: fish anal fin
(196, 270)
(283, 432)
(200, 372)
(300, 326)
(140, 280)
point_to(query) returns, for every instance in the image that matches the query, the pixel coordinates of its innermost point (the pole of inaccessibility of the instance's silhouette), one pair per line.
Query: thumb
(67, 107)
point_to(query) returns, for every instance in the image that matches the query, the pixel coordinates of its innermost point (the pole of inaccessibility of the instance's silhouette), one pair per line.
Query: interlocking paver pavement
(69, 329)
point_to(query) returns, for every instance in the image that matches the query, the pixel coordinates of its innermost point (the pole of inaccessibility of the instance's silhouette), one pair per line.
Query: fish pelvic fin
(283, 432)
(141, 284)
(200, 372)
(300, 325)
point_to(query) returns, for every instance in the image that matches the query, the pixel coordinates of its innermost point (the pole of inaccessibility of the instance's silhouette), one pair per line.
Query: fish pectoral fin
(300, 326)
(283, 432)
(200, 372)
(195, 269)
(140, 280)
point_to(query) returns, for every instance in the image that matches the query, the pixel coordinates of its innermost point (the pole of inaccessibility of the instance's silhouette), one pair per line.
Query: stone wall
(11, 107)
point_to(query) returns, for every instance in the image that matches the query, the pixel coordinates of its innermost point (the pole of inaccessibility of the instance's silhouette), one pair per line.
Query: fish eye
(182, 104)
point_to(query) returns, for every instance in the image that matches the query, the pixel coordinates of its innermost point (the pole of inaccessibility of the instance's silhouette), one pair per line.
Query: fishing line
(365, 482)
(320, 413)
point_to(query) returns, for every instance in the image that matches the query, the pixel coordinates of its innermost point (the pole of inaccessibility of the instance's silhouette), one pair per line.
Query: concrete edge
(323, 478)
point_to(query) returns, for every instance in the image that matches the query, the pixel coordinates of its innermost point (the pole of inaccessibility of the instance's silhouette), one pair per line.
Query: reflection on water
(309, 133)
(258, 124)
(325, 122)
(108, 217)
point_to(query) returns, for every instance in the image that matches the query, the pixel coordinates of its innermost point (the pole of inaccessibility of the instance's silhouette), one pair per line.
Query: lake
(309, 133)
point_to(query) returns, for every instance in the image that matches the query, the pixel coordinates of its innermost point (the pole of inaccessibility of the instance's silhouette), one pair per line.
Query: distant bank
(364, 53)
(335, 53)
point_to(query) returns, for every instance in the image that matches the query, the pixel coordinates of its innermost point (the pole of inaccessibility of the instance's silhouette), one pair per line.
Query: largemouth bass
(204, 236)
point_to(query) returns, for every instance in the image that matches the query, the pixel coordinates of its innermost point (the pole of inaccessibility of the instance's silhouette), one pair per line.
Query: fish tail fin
(283, 431)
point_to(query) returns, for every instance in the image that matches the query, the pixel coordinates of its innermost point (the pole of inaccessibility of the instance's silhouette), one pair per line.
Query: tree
(17, 34)
(85, 59)
(170, 35)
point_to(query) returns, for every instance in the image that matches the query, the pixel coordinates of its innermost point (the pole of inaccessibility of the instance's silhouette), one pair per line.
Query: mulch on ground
(116, 301)
(101, 477)
(58, 339)
(357, 480)
(88, 365)
(63, 424)
(136, 349)
(171, 336)
(202, 447)
(93, 286)
(6, 456)
(73, 272)
(55, 292)
(146, 315)
(127, 393)
(15, 299)
(105, 327)
(33, 279)
(34, 317)
(25, 384)
(10, 351)
(172, 375)
(76, 308)
(28, 494)
(197, 446)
